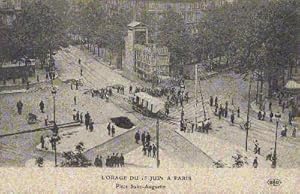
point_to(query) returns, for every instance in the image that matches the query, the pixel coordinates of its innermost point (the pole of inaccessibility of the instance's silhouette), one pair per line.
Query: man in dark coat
(220, 113)
(211, 101)
(42, 106)
(87, 120)
(238, 112)
(143, 138)
(154, 150)
(77, 116)
(271, 116)
(91, 125)
(216, 100)
(144, 150)
(149, 150)
(20, 107)
(148, 138)
(42, 142)
(122, 160)
(255, 163)
(259, 115)
(137, 137)
(232, 118)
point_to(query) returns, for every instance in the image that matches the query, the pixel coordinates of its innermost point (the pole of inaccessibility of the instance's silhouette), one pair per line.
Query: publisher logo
(274, 182)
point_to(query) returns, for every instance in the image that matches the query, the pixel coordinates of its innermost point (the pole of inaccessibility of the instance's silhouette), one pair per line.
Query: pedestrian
(294, 132)
(75, 100)
(283, 106)
(46, 120)
(96, 163)
(108, 128)
(71, 86)
(81, 72)
(259, 115)
(42, 142)
(37, 78)
(232, 118)
(255, 163)
(74, 114)
(226, 105)
(117, 160)
(19, 107)
(107, 162)
(144, 138)
(144, 150)
(79, 61)
(270, 106)
(216, 100)
(113, 160)
(216, 110)
(27, 85)
(77, 116)
(42, 106)
(149, 150)
(130, 89)
(225, 113)
(137, 137)
(220, 113)
(81, 117)
(47, 76)
(238, 112)
(256, 147)
(271, 116)
(290, 117)
(91, 125)
(113, 131)
(148, 138)
(211, 101)
(86, 121)
(122, 160)
(264, 115)
(154, 150)
(76, 84)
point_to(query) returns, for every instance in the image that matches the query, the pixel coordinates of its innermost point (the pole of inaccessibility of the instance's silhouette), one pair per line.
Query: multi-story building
(144, 60)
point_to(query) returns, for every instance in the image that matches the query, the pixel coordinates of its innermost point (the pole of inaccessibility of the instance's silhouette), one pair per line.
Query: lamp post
(55, 128)
(274, 160)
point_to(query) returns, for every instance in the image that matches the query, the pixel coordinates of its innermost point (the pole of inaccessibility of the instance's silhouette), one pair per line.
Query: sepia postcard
(149, 96)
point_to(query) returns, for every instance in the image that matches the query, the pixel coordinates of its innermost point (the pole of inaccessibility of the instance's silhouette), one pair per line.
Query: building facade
(144, 60)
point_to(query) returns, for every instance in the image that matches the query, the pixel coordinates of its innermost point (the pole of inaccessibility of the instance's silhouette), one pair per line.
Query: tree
(37, 32)
(173, 35)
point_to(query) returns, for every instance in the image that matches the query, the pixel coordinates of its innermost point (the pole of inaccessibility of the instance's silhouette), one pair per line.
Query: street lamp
(55, 128)
(274, 160)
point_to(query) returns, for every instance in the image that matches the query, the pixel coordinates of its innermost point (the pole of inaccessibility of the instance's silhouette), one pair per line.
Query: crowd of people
(145, 138)
(115, 160)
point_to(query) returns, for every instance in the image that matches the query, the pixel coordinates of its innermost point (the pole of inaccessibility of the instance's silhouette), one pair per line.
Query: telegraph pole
(247, 125)
(196, 95)
(157, 143)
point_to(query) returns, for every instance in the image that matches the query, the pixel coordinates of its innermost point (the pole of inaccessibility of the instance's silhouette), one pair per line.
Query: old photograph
(150, 84)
